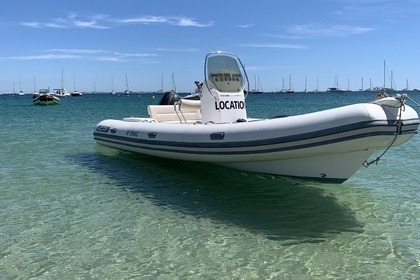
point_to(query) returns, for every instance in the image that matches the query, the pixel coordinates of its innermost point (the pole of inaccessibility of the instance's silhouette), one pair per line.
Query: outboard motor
(169, 98)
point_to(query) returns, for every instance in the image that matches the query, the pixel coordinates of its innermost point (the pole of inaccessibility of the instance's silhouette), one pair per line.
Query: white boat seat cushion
(187, 111)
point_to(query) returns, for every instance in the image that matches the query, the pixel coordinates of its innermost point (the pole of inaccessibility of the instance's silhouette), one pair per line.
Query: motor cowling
(169, 98)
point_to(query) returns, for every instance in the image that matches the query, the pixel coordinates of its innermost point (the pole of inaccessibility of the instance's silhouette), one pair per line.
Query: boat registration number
(132, 133)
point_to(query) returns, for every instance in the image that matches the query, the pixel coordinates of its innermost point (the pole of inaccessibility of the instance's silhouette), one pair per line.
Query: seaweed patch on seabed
(280, 208)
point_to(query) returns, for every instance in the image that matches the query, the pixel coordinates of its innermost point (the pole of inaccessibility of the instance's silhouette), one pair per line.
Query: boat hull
(326, 145)
(46, 100)
(335, 168)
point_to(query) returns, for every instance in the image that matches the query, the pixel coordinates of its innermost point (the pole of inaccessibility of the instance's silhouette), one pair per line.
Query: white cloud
(276, 46)
(101, 21)
(144, 20)
(381, 10)
(191, 22)
(177, 50)
(245, 25)
(311, 30)
(80, 54)
(41, 57)
(32, 24)
(281, 36)
(73, 51)
(71, 21)
(177, 21)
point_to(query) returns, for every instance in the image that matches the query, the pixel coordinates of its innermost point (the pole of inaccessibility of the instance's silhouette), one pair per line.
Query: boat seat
(184, 111)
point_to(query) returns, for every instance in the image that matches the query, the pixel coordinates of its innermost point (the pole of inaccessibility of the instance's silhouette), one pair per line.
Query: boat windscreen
(224, 73)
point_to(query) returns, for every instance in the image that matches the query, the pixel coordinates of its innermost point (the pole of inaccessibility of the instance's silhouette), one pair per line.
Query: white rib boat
(327, 145)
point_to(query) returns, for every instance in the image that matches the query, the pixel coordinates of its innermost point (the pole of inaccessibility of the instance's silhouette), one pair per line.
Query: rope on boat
(412, 100)
(366, 164)
(376, 160)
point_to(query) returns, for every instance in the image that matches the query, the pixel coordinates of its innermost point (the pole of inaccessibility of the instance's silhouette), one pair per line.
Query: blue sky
(99, 41)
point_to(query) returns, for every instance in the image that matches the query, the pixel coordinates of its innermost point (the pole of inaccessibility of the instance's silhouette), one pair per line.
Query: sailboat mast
(126, 83)
(384, 73)
(62, 78)
(112, 83)
(173, 83)
(392, 79)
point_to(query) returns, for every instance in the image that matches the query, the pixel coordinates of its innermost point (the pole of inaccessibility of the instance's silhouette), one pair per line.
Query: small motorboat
(61, 92)
(76, 93)
(44, 97)
(329, 145)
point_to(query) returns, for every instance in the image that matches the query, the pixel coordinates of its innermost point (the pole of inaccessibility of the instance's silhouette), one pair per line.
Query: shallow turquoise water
(72, 209)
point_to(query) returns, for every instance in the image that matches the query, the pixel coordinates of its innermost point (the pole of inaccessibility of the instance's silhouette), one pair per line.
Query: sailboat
(127, 90)
(75, 92)
(290, 89)
(20, 88)
(173, 90)
(258, 88)
(173, 83)
(14, 91)
(335, 88)
(112, 85)
(35, 90)
(384, 88)
(61, 91)
(161, 85)
(317, 85)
